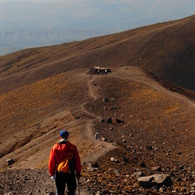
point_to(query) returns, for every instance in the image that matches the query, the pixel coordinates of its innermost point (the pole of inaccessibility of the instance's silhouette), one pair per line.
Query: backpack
(67, 165)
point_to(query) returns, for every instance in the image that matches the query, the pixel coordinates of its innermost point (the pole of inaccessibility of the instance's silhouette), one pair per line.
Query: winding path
(99, 147)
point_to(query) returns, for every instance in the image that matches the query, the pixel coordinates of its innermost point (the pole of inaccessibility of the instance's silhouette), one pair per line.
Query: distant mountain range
(27, 24)
(19, 39)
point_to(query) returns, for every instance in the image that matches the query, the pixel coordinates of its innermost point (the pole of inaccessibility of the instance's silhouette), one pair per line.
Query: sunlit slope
(32, 116)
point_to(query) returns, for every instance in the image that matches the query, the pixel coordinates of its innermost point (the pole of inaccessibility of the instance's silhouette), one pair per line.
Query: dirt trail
(99, 147)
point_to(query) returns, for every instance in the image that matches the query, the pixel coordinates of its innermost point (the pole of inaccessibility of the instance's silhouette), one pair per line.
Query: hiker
(64, 162)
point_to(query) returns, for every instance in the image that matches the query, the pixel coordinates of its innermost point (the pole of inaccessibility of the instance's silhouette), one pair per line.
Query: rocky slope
(127, 124)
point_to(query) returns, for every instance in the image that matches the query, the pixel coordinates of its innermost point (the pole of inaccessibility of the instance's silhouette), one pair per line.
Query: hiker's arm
(77, 161)
(52, 163)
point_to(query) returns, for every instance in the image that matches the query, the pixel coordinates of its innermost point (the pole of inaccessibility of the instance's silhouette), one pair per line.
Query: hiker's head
(64, 134)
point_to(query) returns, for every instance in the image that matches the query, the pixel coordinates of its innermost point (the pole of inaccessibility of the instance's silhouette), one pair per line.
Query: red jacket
(58, 153)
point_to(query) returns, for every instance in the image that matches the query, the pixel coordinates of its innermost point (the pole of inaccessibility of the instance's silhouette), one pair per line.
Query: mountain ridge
(142, 48)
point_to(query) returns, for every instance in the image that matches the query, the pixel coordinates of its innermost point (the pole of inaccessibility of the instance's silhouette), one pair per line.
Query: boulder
(126, 159)
(105, 99)
(102, 120)
(155, 180)
(10, 161)
(142, 164)
(162, 179)
(146, 181)
(103, 139)
(114, 160)
(95, 164)
(109, 120)
(77, 117)
(149, 147)
(119, 121)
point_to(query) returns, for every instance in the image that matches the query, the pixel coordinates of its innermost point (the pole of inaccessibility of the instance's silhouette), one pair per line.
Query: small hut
(99, 70)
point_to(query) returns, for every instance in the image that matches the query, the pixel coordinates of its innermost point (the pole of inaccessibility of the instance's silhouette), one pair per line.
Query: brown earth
(44, 90)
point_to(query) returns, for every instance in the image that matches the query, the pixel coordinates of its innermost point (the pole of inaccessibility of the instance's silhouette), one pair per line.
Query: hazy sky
(114, 14)
(83, 18)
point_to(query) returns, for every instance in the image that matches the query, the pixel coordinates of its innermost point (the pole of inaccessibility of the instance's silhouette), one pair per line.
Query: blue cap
(64, 133)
